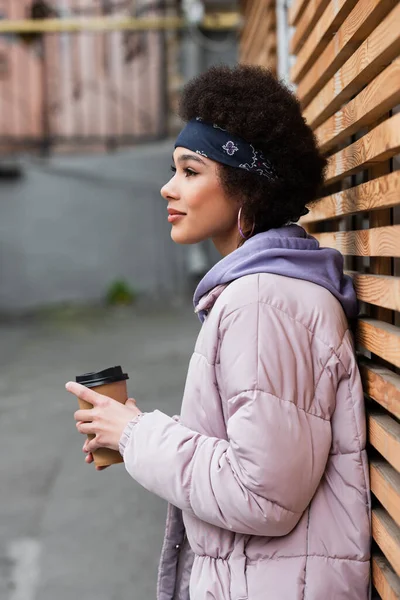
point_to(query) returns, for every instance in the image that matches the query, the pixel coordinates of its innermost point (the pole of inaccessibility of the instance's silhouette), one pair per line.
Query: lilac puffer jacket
(266, 473)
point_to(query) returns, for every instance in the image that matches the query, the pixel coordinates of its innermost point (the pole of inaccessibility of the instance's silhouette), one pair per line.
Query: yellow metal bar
(211, 21)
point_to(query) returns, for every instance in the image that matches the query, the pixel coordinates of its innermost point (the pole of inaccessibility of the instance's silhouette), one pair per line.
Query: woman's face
(197, 205)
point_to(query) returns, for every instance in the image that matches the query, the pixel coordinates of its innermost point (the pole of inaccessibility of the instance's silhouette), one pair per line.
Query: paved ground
(66, 531)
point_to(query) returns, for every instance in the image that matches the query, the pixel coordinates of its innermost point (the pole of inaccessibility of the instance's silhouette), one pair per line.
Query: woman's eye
(189, 172)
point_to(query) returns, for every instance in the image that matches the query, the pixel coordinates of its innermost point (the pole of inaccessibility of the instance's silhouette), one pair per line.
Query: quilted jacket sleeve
(260, 480)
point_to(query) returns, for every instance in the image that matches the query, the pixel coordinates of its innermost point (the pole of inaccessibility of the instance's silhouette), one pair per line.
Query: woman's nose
(169, 190)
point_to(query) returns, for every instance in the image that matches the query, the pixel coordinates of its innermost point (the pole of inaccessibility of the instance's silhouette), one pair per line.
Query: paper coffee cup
(112, 383)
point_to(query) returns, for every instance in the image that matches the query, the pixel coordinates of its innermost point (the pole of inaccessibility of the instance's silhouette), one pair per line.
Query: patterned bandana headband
(217, 144)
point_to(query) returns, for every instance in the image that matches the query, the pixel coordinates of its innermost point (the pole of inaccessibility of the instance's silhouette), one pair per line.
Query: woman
(266, 470)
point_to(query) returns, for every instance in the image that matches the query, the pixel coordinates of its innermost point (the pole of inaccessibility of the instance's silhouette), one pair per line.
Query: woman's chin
(182, 237)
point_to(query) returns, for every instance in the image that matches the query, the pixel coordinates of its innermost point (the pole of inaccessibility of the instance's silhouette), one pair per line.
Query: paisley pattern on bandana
(202, 153)
(259, 164)
(230, 148)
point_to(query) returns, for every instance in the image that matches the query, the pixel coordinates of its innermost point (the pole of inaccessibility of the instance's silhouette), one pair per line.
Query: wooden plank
(310, 16)
(384, 579)
(360, 23)
(384, 436)
(382, 385)
(265, 39)
(374, 54)
(248, 30)
(381, 95)
(380, 144)
(296, 10)
(259, 34)
(387, 535)
(383, 192)
(380, 218)
(380, 290)
(251, 28)
(258, 40)
(381, 338)
(379, 241)
(332, 17)
(385, 485)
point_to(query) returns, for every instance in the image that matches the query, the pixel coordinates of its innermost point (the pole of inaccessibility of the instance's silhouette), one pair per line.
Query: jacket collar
(208, 300)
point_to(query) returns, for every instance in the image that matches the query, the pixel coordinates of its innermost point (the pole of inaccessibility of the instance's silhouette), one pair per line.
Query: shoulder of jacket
(312, 306)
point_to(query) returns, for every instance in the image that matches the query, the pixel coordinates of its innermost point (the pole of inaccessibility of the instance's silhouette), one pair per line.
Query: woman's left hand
(106, 420)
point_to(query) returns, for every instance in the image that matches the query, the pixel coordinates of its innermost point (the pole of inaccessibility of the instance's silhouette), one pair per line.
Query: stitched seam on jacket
(351, 399)
(289, 317)
(305, 564)
(193, 461)
(322, 372)
(281, 400)
(358, 452)
(356, 426)
(205, 358)
(257, 561)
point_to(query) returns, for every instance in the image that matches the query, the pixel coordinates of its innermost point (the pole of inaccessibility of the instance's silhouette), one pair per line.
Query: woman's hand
(106, 420)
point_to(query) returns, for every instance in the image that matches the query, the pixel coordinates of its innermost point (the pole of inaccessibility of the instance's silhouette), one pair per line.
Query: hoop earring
(240, 227)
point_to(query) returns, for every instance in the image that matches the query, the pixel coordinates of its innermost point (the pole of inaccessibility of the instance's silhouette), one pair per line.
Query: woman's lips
(175, 217)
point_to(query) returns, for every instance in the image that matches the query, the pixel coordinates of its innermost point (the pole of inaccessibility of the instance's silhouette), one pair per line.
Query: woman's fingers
(85, 427)
(89, 456)
(85, 393)
(84, 415)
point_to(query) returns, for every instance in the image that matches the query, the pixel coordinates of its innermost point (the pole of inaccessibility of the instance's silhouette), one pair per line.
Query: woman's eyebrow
(184, 157)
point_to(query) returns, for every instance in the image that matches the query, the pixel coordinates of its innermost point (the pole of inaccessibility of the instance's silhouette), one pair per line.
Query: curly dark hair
(250, 102)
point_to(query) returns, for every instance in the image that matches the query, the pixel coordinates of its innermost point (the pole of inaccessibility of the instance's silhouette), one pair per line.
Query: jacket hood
(287, 251)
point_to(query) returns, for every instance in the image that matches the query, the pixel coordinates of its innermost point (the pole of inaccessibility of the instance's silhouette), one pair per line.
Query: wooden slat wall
(347, 73)
(347, 76)
(258, 39)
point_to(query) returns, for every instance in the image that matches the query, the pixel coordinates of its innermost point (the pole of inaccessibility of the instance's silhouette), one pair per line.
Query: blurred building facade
(71, 89)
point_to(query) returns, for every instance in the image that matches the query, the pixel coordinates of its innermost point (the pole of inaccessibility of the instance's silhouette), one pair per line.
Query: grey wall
(71, 227)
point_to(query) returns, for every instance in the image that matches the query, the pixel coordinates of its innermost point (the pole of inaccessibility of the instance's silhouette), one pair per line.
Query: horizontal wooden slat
(380, 338)
(383, 192)
(378, 241)
(319, 37)
(374, 54)
(384, 436)
(384, 579)
(387, 535)
(296, 10)
(385, 485)
(381, 95)
(380, 290)
(382, 385)
(310, 16)
(380, 144)
(362, 20)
